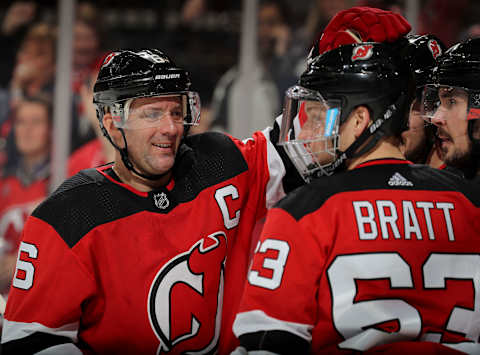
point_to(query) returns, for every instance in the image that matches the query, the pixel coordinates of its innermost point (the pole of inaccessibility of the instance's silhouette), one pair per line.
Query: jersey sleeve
(49, 289)
(279, 307)
(269, 164)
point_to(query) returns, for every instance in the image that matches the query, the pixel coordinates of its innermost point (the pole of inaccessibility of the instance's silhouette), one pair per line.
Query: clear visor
(309, 130)
(446, 103)
(153, 111)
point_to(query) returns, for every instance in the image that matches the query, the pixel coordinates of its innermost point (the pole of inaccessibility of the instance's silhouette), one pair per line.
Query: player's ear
(361, 120)
(112, 130)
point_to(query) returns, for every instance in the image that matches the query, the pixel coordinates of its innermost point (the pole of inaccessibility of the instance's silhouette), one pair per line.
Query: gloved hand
(362, 24)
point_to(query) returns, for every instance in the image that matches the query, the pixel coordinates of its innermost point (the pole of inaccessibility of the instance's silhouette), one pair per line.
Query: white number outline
(435, 271)
(276, 264)
(25, 266)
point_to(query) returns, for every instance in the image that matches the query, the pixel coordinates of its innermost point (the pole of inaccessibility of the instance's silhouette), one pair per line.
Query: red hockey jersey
(108, 269)
(368, 260)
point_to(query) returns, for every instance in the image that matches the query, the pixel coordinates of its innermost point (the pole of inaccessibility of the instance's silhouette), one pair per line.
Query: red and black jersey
(368, 260)
(108, 269)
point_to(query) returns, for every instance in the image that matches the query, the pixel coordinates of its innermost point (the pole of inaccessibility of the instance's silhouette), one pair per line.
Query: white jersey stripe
(61, 349)
(256, 321)
(276, 170)
(18, 330)
(468, 348)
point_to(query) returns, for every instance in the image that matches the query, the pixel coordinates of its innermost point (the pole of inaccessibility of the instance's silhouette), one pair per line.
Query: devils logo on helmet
(434, 48)
(362, 52)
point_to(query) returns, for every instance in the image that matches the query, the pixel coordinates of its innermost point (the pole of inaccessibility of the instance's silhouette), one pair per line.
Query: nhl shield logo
(161, 200)
(362, 52)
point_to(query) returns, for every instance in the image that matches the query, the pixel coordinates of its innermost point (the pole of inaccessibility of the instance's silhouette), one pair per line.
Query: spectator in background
(33, 74)
(87, 53)
(25, 183)
(318, 15)
(275, 76)
(97, 151)
(35, 65)
(14, 25)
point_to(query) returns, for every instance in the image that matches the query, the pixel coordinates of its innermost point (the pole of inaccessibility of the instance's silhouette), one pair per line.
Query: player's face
(313, 129)
(451, 119)
(152, 147)
(414, 139)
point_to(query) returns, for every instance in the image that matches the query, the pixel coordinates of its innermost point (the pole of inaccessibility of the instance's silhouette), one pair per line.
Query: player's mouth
(164, 146)
(443, 138)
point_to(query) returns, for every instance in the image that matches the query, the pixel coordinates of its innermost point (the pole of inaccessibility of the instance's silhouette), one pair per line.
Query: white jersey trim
(242, 351)
(468, 348)
(257, 321)
(276, 170)
(18, 330)
(61, 349)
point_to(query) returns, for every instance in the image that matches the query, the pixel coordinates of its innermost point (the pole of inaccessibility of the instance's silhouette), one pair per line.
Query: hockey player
(142, 255)
(453, 105)
(422, 52)
(377, 254)
(131, 257)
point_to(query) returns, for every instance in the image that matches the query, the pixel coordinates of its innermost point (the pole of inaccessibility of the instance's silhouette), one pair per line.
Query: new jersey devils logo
(186, 296)
(109, 58)
(362, 52)
(434, 48)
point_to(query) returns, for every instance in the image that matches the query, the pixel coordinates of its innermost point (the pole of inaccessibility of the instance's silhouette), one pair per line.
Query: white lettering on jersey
(427, 206)
(387, 219)
(363, 220)
(220, 196)
(410, 221)
(446, 207)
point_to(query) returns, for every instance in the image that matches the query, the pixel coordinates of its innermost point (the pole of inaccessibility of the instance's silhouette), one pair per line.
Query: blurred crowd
(202, 35)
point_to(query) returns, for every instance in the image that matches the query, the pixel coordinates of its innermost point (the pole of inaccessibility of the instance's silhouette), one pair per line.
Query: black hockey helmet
(126, 75)
(460, 66)
(129, 74)
(369, 74)
(422, 53)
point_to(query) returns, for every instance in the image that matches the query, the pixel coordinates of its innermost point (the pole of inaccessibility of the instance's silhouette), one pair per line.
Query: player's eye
(177, 115)
(151, 115)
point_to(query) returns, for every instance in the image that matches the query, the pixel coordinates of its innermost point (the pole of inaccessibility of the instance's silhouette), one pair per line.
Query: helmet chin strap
(125, 158)
(374, 133)
(129, 165)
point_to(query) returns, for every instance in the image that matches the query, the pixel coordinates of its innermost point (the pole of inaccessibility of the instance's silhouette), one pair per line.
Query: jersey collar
(383, 161)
